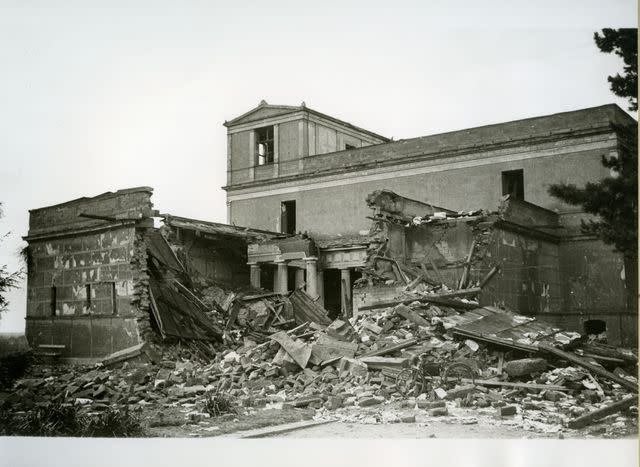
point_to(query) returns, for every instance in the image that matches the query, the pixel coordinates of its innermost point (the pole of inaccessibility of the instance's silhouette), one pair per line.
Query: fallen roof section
(218, 229)
(501, 327)
(179, 314)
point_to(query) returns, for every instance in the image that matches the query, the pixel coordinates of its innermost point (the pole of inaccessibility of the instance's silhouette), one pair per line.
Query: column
(320, 283)
(345, 295)
(276, 287)
(281, 274)
(254, 274)
(299, 277)
(312, 276)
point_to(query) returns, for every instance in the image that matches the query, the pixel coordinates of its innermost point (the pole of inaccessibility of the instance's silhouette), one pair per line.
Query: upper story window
(349, 146)
(513, 183)
(264, 145)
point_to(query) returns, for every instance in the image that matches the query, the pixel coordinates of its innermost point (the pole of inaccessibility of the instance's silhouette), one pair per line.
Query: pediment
(261, 112)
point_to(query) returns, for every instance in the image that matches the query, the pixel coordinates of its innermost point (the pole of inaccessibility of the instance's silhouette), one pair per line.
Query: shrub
(116, 423)
(12, 366)
(218, 403)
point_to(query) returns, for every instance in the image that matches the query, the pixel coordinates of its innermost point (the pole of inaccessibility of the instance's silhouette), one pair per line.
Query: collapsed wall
(543, 266)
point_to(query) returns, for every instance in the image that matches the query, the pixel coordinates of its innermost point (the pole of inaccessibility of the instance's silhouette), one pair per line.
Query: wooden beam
(390, 349)
(603, 412)
(589, 366)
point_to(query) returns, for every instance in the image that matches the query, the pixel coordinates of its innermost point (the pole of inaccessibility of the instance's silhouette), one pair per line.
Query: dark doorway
(332, 292)
(513, 183)
(288, 217)
(291, 278)
(594, 327)
(267, 273)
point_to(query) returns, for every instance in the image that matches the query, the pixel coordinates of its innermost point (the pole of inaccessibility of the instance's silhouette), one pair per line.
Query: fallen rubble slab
(525, 366)
(131, 352)
(378, 363)
(596, 415)
(391, 348)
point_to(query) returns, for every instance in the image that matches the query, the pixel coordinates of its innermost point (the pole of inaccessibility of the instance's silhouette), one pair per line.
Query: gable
(262, 112)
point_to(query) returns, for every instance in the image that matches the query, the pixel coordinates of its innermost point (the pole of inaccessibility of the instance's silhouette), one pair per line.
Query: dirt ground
(383, 422)
(172, 422)
(433, 429)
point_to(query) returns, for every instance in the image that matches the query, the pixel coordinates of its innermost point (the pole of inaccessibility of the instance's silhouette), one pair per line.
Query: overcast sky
(97, 98)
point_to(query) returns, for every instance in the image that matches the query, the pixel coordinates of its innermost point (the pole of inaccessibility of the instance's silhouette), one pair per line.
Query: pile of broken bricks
(346, 371)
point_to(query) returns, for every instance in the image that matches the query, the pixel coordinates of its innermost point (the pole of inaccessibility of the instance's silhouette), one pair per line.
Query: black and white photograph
(339, 233)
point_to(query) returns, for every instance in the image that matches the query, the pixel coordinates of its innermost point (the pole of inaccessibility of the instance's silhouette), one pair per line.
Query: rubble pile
(350, 370)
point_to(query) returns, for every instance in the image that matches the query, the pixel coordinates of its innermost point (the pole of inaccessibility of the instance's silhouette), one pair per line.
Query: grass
(66, 420)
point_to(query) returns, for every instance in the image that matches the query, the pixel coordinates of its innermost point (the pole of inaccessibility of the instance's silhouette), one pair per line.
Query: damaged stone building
(102, 278)
(295, 170)
(351, 217)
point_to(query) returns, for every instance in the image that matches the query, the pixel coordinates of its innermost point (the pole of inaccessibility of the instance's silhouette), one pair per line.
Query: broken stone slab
(370, 326)
(607, 410)
(306, 401)
(438, 412)
(410, 315)
(353, 367)
(408, 419)
(140, 350)
(554, 396)
(525, 366)
(297, 350)
(460, 391)
(328, 348)
(341, 330)
(369, 401)
(423, 404)
(334, 402)
(507, 410)
(378, 363)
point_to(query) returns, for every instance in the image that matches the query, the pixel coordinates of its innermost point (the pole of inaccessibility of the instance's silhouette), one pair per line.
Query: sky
(100, 96)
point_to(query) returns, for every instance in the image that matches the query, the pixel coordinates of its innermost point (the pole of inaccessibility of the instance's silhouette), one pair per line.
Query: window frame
(512, 186)
(265, 136)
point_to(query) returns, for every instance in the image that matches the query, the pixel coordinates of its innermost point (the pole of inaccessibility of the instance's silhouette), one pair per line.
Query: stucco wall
(87, 327)
(239, 160)
(342, 209)
(68, 252)
(219, 261)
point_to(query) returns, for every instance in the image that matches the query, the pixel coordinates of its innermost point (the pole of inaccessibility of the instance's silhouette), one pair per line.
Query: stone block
(438, 412)
(370, 401)
(507, 411)
(423, 404)
(525, 366)
(554, 396)
(353, 367)
(333, 403)
(460, 392)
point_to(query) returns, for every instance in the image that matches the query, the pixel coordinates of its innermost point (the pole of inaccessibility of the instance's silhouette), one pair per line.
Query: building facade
(323, 189)
(323, 185)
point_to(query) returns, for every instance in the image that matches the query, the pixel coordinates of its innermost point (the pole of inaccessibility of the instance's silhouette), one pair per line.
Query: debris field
(427, 355)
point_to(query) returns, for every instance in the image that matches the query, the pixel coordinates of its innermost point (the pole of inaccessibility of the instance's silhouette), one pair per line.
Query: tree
(8, 280)
(624, 43)
(613, 200)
